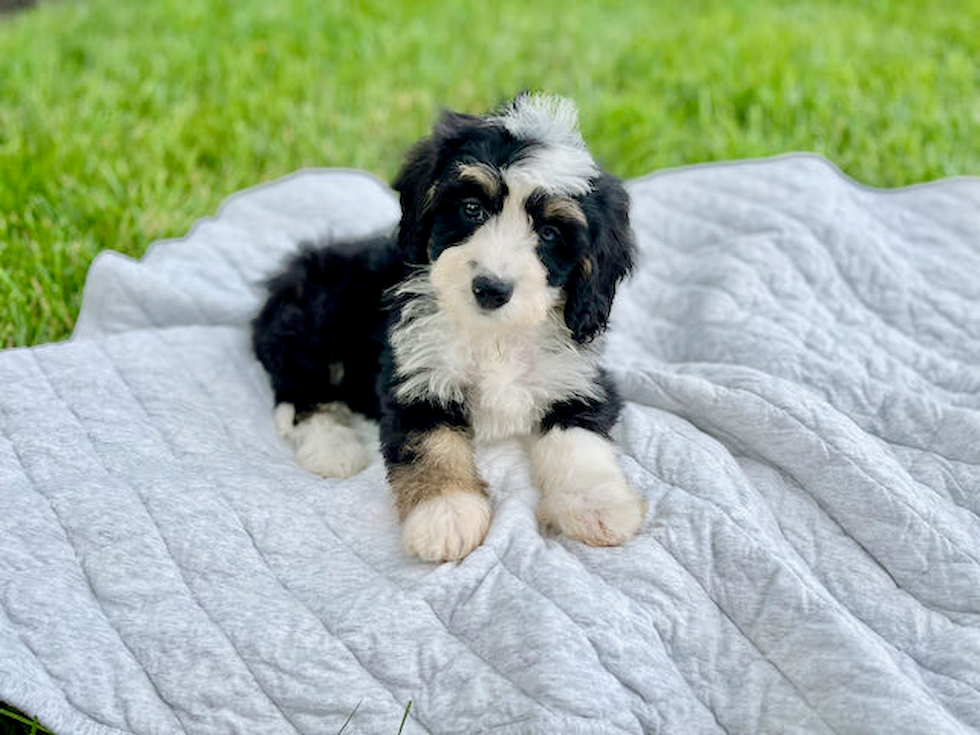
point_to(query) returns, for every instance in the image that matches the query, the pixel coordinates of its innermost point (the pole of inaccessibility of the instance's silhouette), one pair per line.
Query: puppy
(473, 322)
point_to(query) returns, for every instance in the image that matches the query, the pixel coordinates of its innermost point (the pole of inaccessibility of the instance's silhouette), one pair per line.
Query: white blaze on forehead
(560, 162)
(505, 244)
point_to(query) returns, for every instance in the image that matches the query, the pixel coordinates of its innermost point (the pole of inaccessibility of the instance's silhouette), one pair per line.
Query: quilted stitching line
(865, 622)
(830, 445)
(163, 538)
(639, 605)
(851, 192)
(743, 532)
(235, 267)
(783, 335)
(878, 316)
(942, 614)
(943, 461)
(962, 237)
(849, 614)
(866, 428)
(948, 461)
(871, 557)
(747, 637)
(762, 655)
(952, 475)
(319, 620)
(773, 338)
(528, 585)
(459, 639)
(143, 310)
(806, 586)
(677, 209)
(53, 678)
(50, 674)
(742, 197)
(81, 567)
(898, 359)
(718, 606)
(895, 443)
(889, 644)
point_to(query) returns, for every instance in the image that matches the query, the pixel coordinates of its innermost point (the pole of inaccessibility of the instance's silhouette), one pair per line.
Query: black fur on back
(327, 308)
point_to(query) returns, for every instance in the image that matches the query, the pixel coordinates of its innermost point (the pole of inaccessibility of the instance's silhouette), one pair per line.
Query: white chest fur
(511, 386)
(507, 379)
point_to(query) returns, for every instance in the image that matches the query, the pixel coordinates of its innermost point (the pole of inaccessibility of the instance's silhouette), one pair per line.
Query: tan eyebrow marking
(567, 209)
(483, 175)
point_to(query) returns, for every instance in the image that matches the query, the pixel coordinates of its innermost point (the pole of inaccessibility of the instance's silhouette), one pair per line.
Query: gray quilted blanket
(801, 360)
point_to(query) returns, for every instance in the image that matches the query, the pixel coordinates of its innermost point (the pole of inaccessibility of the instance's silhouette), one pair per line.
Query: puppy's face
(501, 248)
(516, 219)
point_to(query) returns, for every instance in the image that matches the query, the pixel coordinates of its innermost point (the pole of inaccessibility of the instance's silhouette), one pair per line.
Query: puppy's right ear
(414, 183)
(417, 179)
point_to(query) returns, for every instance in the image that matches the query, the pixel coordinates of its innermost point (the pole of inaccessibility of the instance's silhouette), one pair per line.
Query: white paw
(583, 491)
(323, 442)
(609, 514)
(447, 526)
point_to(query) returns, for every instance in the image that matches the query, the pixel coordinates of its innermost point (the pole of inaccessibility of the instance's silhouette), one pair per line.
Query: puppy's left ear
(609, 259)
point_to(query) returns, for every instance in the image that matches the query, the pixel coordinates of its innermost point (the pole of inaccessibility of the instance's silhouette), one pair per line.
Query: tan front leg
(440, 498)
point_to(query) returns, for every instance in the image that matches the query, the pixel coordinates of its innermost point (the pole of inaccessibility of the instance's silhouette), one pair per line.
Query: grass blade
(344, 726)
(404, 717)
(35, 727)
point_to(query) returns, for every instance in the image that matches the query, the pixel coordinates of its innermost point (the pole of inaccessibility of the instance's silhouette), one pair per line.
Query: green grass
(123, 122)
(14, 722)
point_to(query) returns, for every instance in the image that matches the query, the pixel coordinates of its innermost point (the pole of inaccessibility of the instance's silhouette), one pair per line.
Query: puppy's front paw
(608, 514)
(447, 526)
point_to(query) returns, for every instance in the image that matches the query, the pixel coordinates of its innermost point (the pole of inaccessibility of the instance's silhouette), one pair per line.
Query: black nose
(492, 293)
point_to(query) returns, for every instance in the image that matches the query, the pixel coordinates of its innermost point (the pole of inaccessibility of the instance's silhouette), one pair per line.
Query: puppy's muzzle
(492, 293)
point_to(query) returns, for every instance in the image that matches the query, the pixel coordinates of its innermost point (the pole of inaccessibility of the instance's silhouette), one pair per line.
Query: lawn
(121, 123)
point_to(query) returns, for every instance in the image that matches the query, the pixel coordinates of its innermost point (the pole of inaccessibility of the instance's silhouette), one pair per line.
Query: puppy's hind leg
(324, 440)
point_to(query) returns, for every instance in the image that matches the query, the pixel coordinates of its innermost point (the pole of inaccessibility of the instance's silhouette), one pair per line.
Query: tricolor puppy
(475, 321)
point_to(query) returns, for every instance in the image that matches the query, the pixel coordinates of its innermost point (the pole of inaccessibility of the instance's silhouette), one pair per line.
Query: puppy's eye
(549, 234)
(473, 210)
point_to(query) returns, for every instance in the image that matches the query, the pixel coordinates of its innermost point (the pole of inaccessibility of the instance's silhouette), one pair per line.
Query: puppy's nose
(492, 293)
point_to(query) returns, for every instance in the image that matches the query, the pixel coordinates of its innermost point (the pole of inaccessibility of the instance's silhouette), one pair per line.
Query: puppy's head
(515, 218)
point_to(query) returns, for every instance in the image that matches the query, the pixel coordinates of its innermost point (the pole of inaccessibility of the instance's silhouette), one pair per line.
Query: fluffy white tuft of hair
(583, 491)
(551, 119)
(561, 164)
(325, 443)
(447, 526)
